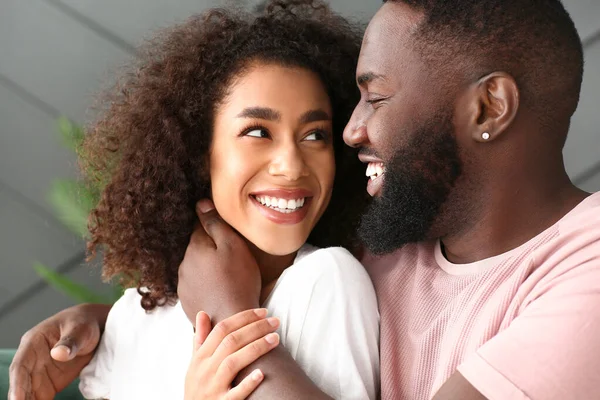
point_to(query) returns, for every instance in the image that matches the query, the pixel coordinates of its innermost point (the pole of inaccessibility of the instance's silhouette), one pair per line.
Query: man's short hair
(535, 41)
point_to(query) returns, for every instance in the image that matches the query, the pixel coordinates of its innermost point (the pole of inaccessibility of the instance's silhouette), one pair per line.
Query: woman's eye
(316, 135)
(258, 133)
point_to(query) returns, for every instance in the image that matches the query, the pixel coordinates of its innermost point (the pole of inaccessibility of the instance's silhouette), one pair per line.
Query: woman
(248, 110)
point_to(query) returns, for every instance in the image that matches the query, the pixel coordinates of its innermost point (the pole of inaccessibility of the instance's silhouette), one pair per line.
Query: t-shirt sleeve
(95, 378)
(338, 344)
(551, 350)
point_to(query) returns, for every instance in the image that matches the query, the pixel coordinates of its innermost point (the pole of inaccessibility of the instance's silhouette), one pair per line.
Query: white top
(329, 324)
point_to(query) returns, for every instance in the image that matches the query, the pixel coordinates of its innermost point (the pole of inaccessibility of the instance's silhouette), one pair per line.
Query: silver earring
(485, 136)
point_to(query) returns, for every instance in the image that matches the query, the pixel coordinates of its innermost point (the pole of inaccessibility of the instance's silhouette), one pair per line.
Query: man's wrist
(95, 312)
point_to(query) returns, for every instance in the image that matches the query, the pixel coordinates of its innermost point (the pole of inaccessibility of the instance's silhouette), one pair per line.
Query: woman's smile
(283, 206)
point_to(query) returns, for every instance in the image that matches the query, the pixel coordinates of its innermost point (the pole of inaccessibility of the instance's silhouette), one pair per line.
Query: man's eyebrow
(314, 116)
(260, 113)
(367, 77)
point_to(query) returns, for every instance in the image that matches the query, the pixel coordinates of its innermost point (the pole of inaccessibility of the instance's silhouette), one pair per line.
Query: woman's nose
(289, 163)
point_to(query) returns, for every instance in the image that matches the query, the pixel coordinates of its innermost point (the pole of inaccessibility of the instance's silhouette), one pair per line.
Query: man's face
(404, 128)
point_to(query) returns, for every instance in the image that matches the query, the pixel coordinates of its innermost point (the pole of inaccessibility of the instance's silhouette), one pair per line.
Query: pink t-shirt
(521, 325)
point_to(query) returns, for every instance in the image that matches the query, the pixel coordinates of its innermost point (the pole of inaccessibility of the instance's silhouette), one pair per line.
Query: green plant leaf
(72, 202)
(72, 134)
(74, 290)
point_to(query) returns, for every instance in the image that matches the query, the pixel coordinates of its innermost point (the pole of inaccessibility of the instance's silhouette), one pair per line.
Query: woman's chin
(278, 247)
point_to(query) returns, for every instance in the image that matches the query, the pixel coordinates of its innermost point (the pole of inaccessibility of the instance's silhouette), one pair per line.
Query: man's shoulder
(410, 252)
(583, 219)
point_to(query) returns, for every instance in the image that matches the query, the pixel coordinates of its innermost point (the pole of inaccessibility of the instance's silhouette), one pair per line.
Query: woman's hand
(232, 345)
(53, 353)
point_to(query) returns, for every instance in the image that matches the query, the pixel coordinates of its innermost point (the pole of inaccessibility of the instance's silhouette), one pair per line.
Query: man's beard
(417, 182)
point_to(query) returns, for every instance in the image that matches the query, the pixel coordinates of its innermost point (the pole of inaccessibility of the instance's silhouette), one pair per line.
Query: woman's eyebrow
(260, 113)
(314, 116)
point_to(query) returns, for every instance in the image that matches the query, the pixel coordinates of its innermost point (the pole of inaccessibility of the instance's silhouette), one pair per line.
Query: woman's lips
(283, 206)
(287, 216)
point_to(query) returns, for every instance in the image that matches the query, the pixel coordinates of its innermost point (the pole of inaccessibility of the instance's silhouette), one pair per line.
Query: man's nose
(355, 133)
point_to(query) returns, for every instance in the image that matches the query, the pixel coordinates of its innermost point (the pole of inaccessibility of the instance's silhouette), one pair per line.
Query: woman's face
(272, 163)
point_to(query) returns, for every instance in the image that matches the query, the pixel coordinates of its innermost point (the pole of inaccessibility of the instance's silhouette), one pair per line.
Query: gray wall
(54, 54)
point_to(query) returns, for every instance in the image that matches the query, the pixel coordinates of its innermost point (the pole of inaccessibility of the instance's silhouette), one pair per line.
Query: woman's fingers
(244, 336)
(228, 326)
(203, 327)
(246, 386)
(234, 363)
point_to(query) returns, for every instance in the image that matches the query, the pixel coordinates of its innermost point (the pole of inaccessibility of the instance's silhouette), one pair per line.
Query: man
(485, 257)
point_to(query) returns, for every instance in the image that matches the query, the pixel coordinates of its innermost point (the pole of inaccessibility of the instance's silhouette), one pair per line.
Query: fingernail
(66, 348)
(261, 312)
(257, 375)
(205, 206)
(272, 338)
(274, 322)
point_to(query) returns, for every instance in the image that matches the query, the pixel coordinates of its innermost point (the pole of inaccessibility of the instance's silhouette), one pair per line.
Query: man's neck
(511, 216)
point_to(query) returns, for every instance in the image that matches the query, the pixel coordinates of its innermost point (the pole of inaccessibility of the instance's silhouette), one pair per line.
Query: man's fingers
(246, 386)
(230, 325)
(245, 336)
(234, 363)
(19, 386)
(203, 327)
(220, 232)
(62, 352)
(21, 367)
(75, 339)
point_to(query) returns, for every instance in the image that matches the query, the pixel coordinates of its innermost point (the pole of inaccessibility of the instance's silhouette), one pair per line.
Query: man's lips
(375, 170)
(369, 159)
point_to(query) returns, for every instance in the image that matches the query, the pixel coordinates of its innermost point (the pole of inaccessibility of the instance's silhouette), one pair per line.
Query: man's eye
(258, 133)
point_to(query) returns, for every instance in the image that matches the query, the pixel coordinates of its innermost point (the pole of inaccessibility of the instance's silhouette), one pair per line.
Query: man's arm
(284, 379)
(220, 277)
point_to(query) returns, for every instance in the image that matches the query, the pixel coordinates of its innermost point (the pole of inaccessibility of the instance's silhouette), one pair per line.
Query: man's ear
(493, 104)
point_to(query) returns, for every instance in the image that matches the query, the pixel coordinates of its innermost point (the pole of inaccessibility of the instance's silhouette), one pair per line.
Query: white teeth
(281, 205)
(375, 170)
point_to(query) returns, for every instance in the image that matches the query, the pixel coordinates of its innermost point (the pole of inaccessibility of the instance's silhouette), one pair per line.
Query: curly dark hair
(148, 149)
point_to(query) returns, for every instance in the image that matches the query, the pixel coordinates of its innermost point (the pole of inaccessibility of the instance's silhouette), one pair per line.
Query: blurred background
(54, 55)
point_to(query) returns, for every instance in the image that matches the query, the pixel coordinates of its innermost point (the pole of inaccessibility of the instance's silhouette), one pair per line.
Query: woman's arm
(53, 353)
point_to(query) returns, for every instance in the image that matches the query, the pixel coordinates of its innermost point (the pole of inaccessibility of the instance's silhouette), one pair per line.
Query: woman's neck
(271, 267)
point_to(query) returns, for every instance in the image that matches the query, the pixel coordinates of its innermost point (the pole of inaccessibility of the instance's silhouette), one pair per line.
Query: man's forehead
(388, 34)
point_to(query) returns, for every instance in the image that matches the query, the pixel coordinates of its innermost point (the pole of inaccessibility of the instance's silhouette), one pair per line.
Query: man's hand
(53, 353)
(220, 354)
(218, 274)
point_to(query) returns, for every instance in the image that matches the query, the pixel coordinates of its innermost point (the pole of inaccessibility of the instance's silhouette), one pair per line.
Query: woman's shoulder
(328, 264)
(129, 308)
